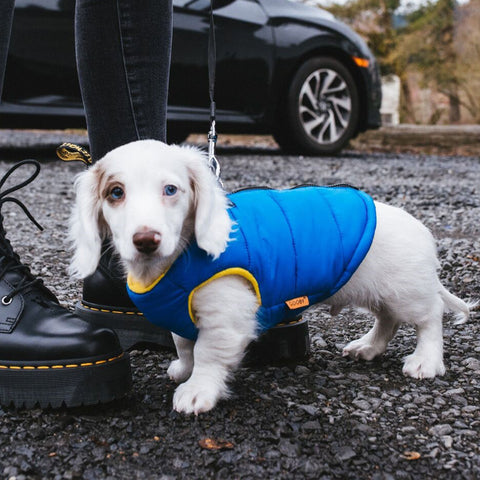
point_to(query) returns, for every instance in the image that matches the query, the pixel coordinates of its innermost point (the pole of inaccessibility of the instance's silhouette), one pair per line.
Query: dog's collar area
(137, 286)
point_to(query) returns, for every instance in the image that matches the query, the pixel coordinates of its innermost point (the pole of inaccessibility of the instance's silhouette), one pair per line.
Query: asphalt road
(327, 417)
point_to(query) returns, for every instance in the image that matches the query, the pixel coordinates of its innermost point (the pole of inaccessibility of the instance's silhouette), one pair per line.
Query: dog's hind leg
(427, 359)
(375, 342)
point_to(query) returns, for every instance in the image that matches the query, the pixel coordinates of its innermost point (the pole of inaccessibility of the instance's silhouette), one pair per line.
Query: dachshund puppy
(217, 270)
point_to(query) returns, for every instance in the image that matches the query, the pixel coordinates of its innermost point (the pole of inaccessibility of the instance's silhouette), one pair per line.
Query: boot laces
(9, 260)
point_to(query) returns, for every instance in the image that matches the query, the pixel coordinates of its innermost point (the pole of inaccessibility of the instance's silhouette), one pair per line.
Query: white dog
(153, 200)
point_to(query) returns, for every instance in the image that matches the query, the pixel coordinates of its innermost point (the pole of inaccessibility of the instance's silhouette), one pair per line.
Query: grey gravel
(327, 417)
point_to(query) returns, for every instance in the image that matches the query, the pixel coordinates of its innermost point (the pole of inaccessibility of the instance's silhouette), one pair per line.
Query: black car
(282, 68)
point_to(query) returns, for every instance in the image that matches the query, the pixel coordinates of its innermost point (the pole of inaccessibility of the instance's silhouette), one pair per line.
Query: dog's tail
(460, 308)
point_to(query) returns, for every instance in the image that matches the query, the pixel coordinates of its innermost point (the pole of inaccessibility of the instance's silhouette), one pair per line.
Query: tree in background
(427, 44)
(440, 41)
(373, 20)
(467, 46)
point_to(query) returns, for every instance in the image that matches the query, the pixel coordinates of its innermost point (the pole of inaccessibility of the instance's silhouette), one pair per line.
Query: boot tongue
(16, 273)
(12, 270)
(8, 258)
(8, 263)
(5, 246)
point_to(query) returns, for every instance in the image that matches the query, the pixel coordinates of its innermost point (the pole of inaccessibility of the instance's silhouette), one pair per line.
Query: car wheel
(322, 111)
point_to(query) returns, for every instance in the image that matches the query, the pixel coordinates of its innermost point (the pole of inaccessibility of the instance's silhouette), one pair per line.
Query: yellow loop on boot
(69, 152)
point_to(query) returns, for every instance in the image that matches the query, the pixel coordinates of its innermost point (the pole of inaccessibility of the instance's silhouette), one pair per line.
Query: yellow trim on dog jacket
(296, 247)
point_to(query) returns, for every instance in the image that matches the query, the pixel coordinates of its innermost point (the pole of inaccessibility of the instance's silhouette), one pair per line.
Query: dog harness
(296, 247)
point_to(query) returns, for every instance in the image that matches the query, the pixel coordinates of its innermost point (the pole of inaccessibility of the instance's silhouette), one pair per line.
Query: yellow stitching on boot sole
(105, 310)
(47, 367)
(293, 322)
(140, 314)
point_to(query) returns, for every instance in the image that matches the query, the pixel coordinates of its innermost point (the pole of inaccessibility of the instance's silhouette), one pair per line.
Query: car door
(41, 63)
(244, 57)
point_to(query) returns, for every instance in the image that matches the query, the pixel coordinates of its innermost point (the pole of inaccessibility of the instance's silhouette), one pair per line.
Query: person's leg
(48, 356)
(123, 52)
(6, 15)
(123, 58)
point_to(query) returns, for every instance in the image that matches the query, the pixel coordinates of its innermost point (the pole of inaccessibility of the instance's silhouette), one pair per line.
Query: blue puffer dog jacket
(296, 247)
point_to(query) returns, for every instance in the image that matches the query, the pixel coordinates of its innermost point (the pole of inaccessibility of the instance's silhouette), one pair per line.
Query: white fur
(143, 169)
(397, 281)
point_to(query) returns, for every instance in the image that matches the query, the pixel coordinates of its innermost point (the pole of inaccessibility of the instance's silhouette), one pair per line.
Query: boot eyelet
(7, 301)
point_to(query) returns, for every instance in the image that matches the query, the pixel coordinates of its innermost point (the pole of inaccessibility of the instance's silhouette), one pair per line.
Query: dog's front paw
(361, 349)
(179, 370)
(420, 366)
(193, 397)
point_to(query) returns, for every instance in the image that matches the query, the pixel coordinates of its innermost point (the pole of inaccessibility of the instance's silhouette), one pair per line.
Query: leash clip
(69, 152)
(213, 163)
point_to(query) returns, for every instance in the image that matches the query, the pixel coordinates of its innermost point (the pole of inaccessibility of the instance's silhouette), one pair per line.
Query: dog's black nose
(147, 242)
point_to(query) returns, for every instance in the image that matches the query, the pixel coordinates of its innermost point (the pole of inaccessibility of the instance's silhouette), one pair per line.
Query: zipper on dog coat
(296, 247)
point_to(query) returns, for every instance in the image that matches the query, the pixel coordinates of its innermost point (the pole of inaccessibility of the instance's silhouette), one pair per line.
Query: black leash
(212, 59)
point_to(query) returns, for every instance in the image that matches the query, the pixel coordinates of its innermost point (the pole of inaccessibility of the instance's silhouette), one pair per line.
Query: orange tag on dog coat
(297, 303)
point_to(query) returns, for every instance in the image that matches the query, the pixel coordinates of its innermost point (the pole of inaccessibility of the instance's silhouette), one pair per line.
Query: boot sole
(283, 343)
(131, 327)
(287, 342)
(72, 384)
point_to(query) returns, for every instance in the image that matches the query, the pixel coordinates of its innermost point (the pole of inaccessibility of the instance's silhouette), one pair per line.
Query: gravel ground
(327, 417)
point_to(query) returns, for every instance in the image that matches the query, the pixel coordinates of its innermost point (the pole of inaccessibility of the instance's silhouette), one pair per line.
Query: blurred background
(294, 74)
(428, 52)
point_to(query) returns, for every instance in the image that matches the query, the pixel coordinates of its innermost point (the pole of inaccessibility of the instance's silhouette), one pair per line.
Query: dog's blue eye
(170, 190)
(116, 193)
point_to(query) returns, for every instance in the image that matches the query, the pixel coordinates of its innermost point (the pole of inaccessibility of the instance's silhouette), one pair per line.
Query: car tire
(322, 109)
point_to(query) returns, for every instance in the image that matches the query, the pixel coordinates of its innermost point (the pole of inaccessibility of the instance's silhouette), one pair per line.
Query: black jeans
(6, 14)
(123, 52)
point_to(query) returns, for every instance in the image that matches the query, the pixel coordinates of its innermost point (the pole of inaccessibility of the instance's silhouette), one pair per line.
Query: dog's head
(150, 198)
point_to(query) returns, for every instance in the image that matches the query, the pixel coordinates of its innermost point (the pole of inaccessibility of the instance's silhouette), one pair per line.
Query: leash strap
(212, 59)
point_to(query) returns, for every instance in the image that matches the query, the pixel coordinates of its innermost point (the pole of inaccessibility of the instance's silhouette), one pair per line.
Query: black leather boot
(49, 356)
(106, 302)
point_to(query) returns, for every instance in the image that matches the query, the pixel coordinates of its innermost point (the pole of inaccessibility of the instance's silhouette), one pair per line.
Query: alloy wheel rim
(324, 106)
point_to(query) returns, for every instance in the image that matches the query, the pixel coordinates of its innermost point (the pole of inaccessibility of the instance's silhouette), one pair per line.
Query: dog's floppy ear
(87, 227)
(212, 222)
